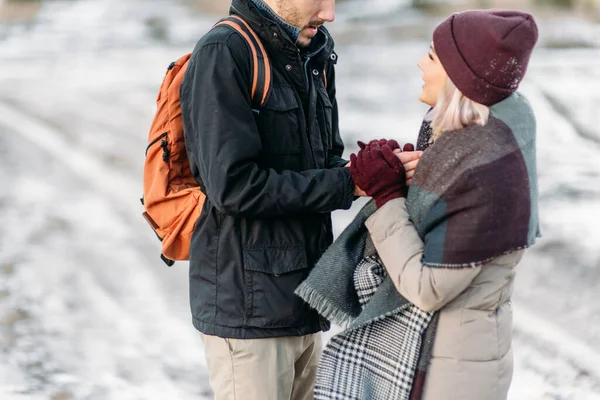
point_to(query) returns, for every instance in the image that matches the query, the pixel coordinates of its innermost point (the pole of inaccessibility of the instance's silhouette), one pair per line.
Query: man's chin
(303, 41)
(306, 37)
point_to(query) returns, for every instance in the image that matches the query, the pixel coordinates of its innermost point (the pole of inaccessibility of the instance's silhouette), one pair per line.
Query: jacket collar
(273, 34)
(267, 12)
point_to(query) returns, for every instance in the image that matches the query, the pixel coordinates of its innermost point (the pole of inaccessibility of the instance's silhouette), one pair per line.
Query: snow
(88, 311)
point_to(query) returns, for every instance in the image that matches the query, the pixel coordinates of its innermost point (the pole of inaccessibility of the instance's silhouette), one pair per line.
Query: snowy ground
(88, 311)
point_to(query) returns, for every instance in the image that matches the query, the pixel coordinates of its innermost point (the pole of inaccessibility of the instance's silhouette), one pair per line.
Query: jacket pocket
(279, 123)
(325, 117)
(271, 274)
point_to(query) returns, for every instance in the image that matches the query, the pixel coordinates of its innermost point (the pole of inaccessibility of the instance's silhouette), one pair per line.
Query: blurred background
(87, 308)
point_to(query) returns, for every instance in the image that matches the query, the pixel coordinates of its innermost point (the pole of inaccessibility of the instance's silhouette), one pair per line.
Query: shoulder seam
(220, 40)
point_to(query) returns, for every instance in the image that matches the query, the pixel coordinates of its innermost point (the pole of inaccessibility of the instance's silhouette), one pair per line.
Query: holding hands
(382, 170)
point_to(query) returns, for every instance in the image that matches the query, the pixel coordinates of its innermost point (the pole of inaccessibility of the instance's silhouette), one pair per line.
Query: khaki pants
(263, 369)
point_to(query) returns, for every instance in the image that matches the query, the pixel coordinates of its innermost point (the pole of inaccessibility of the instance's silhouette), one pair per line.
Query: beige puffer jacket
(472, 356)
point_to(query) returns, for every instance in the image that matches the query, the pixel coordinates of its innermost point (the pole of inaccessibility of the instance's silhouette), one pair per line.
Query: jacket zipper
(307, 131)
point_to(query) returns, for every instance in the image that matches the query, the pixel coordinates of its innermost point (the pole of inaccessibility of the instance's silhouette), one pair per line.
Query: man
(272, 176)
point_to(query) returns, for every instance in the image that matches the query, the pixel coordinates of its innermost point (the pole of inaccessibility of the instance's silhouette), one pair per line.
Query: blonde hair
(454, 111)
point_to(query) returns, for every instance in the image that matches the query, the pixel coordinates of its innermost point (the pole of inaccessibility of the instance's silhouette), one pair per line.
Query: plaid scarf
(378, 360)
(474, 194)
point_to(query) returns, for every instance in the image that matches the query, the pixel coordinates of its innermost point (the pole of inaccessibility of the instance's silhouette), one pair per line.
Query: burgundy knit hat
(486, 52)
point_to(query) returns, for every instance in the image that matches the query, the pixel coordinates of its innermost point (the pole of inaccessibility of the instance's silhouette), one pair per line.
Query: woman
(451, 247)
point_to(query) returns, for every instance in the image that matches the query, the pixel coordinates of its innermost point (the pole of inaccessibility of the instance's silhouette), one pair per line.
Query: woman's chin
(423, 99)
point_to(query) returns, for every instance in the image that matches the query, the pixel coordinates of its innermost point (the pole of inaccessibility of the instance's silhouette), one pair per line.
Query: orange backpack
(172, 197)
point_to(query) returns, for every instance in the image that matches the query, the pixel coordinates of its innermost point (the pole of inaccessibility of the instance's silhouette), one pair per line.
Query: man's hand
(358, 192)
(409, 159)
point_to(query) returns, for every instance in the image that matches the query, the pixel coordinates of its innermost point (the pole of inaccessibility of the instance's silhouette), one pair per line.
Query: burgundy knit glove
(379, 172)
(408, 147)
(392, 143)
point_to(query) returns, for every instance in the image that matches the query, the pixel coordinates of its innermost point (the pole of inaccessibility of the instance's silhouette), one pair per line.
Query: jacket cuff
(389, 218)
(337, 162)
(348, 189)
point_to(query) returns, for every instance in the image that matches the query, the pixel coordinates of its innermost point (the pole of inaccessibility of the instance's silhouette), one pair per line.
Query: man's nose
(327, 12)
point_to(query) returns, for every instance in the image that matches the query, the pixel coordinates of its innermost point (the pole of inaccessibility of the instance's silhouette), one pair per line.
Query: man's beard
(290, 14)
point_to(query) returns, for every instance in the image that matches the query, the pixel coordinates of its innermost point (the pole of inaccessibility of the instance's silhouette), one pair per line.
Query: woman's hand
(410, 159)
(378, 171)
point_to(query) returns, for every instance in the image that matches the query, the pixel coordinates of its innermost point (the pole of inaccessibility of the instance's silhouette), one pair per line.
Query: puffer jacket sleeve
(401, 250)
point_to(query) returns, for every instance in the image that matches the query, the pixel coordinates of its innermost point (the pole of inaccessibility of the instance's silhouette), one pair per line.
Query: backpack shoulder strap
(261, 70)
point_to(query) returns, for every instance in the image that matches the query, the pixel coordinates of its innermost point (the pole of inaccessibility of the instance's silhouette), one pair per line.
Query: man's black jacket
(271, 179)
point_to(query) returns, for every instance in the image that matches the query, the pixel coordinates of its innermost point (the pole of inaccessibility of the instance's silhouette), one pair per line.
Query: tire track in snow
(561, 109)
(122, 191)
(82, 163)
